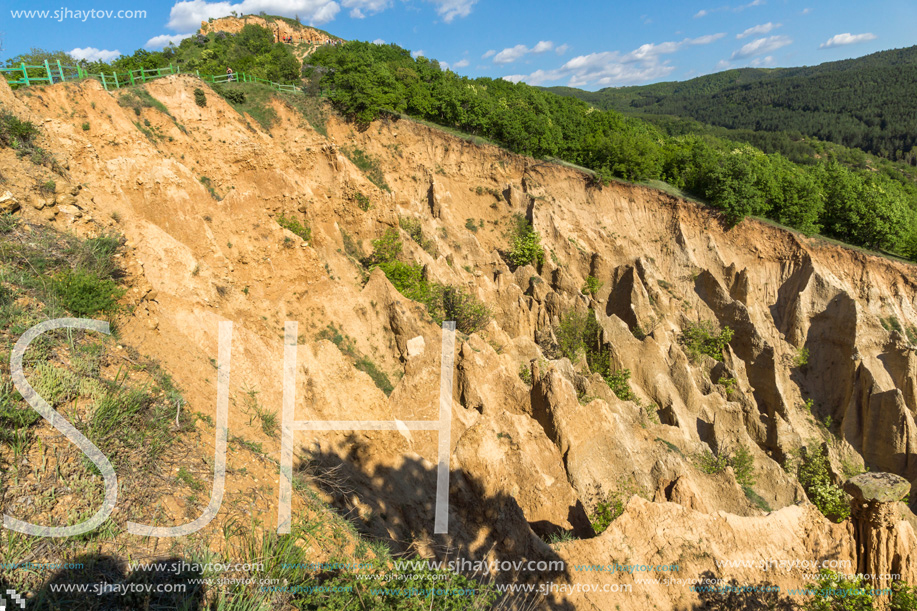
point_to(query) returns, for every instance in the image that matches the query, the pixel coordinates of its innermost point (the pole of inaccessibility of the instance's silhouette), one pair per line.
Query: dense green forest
(866, 103)
(807, 185)
(863, 207)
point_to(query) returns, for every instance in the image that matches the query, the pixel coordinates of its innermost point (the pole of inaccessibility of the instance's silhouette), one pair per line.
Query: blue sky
(589, 44)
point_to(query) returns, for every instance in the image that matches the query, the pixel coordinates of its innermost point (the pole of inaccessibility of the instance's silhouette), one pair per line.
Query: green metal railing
(50, 73)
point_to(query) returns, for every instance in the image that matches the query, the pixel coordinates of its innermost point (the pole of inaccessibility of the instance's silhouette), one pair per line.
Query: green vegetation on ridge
(367, 81)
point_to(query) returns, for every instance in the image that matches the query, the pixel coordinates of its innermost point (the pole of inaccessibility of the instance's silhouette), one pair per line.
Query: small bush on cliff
(815, 478)
(385, 249)
(526, 244)
(612, 507)
(834, 592)
(298, 228)
(592, 286)
(741, 461)
(443, 302)
(467, 311)
(86, 294)
(702, 338)
(576, 333)
(200, 98)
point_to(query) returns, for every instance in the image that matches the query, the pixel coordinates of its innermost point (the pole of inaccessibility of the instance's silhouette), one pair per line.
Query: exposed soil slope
(530, 457)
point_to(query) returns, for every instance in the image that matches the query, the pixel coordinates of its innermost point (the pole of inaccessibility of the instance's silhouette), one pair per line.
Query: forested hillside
(858, 206)
(866, 103)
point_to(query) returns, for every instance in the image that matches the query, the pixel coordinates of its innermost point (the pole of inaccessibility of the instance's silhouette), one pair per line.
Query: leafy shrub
(601, 177)
(525, 374)
(904, 597)
(835, 592)
(385, 249)
(801, 358)
(576, 333)
(471, 225)
(526, 249)
(469, 314)
(741, 461)
(298, 228)
(592, 286)
(362, 201)
(619, 382)
(85, 294)
(15, 133)
(702, 338)
(233, 96)
(200, 98)
(711, 463)
(651, 411)
(815, 478)
(412, 227)
(86, 126)
(612, 507)
(728, 384)
(743, 464)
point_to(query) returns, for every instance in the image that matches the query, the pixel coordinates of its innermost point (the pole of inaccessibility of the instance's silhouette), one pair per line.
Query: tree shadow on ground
(108, 585)
(398, 506)
(734, 596)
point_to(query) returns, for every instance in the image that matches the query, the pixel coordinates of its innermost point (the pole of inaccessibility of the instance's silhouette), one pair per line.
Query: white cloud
(92, 54)
(760, 46)
(363, 8)
(460, 63)
(490, 53)
(417, 53)
(764, 28)
(561, 49)
(723, 65)
(450, 9)
(378, 41)
(187, 15)
(839, 40)
(614, 68)
(762, 62)
(514, 78)
(805, 11)
(511, 54)
(163, 40)
(542, 46)
(737, 9)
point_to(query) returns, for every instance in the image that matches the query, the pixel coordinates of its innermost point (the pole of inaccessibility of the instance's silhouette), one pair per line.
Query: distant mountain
(867, 102)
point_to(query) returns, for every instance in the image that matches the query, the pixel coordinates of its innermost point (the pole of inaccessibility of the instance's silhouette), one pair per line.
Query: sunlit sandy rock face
(538, 443)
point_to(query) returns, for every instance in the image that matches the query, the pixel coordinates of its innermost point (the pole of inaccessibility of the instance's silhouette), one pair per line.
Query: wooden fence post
(104, 84)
